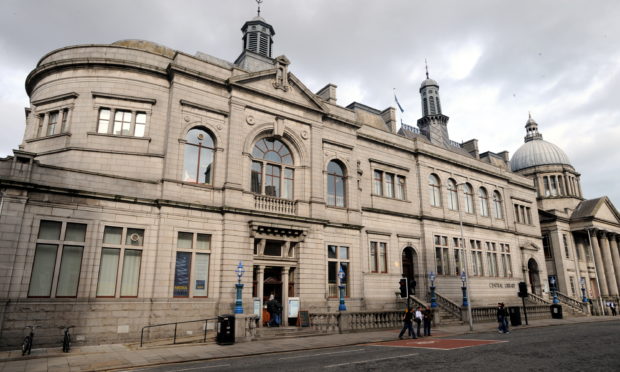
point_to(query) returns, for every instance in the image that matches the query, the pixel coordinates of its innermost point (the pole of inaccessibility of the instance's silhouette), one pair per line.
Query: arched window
(198, 158)
(497, 205)
(435, 191)
(272, 169)
(484, 202)
(453, 196)
(469, 198)
(335, 184)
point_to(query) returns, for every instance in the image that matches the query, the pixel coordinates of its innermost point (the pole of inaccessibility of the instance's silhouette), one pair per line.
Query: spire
(531, 129)
(429, 90)
(259, 2)
(258, 35)
(433, 124)
(426, 65)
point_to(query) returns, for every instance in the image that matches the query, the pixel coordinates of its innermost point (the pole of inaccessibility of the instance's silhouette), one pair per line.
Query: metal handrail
(174, 340)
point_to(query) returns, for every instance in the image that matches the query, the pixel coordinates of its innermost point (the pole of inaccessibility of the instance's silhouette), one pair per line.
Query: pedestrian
(612, 306)
(427, 316)
(418, 319)
(407, 326)
(412, 285)
(274, 308)
(502, 318)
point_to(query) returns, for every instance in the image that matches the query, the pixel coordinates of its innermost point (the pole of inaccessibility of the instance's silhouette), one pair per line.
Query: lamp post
(464, 289)
(583, 290)
(341, 286)
(239, 302)
(552, 280)
(431, 276)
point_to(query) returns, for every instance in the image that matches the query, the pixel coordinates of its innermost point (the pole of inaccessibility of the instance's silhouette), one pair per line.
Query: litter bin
(556, 311)
(225, 330)
(515, 315)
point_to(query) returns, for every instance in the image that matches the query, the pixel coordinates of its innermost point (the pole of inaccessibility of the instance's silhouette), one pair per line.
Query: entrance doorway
(409, 263)
(533, 275)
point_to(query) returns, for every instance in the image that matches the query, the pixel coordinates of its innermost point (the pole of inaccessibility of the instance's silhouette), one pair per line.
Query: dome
(429, 82)
(537, 152)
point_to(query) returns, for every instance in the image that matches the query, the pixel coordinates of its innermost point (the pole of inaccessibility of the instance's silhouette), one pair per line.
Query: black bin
(225, 329)
(515, 315)
(556, 311)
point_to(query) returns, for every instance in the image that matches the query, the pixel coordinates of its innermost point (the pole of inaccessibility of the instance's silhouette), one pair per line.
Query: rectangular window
(121, 257)
(104, 121)
(272, 180)
(378, 180)
(65, 121)
(122, 122)
(477, 265)
(506, 260)
(40, 122)
(140, 126)
(191, 275)
(126, 123)
(257, 177)
(378, 258)
(566, 247)
(459, 265)
(442, 256)
(546, 240)
(573, 289)
(492, 259)
(51, 122)
(373, 257)
(400, 188)
(389, 185)
(338, 258)
(287, 188)
(58, 255)
(181, 274)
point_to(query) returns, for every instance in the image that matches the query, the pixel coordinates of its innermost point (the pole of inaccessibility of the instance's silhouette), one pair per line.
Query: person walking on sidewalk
(502, 318)
(612, 306)
(418, 319)
(427, 316)
(407, 324)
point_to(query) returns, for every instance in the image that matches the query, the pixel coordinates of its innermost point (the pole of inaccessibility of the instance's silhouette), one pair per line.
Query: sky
(495, 61)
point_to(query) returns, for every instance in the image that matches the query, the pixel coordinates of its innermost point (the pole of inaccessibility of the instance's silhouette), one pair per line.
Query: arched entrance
(533, 275)
(409, 263)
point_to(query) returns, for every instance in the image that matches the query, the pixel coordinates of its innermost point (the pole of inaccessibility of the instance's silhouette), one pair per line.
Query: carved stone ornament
(187, 119)
(304, 134)
(250, 120)
(281, 81)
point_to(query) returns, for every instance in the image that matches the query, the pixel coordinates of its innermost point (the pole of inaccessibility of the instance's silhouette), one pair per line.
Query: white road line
(310, 356)
(369, 360)
(203, 367)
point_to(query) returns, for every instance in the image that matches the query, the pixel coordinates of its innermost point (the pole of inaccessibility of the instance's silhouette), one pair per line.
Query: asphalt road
(580, 347)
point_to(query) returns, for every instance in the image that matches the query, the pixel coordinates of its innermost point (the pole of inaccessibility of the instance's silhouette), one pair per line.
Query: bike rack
(174, 340)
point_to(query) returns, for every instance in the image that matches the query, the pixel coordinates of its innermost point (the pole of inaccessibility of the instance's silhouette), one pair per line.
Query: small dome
(429, 82)
(537, 152)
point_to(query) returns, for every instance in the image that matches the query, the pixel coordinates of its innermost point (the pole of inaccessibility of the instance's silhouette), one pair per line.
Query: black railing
(174, 339)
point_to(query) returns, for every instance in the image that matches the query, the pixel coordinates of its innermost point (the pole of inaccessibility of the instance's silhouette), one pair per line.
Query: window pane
(181, 274)
(112, 235)
(257, 174)
(378, 178)
(389, 185)
(76, 232)
(331, 251)
(204, 168)
(184, 240)
(273, 248)
(332, 274)
(201, 274)
(190, 163)
(382, 258)
(43, 270)
(107, 272)
(331, 189)
(50, 230)
(135, 237)
(140, 124)
(340, 198)
(69, 276)
(344, 253)
(287, 190)
(104, 121)
(373, 257)
(203, 241)
(131, 273)
(272, 180)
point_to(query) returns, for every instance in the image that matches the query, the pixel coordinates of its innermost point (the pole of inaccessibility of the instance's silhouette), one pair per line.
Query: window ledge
(66, 134)
(118, 136)
(389, 198)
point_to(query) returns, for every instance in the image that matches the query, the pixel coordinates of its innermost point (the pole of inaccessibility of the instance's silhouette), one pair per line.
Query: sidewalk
(118, 356)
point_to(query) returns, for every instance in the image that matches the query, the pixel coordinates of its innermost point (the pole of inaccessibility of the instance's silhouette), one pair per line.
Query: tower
(257, 44)
(433, 124)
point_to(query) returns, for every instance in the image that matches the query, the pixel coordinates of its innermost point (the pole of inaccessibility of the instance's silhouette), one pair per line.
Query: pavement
(126, 357)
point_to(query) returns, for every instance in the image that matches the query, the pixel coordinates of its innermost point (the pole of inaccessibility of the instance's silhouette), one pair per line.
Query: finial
(426, 64)
(259, 2)
(529, 114)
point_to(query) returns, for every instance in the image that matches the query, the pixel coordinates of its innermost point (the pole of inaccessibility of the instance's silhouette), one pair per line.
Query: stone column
(615, 255)
(285, 271)
(260, 278)
(598, 264)
(610, 274)
(579, 247)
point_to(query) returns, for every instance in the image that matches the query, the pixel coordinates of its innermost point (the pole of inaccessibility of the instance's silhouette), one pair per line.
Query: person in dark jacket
(274, 308)
(427, 317)
(407, 325)
(502, 318)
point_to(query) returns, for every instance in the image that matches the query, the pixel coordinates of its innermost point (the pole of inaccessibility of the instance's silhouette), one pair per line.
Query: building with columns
(147, 175)
(580, 237)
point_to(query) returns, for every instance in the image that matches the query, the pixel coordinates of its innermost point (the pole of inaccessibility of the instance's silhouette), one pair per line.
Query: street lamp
(239, 302)
(583, 290)
(554, 293)
(431, 276)
(341, 286)
(464, 289)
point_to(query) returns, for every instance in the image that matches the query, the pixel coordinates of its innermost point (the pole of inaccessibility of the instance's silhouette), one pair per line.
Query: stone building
(147, 175)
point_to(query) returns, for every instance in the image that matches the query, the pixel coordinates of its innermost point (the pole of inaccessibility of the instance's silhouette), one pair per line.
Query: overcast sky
(495, 61)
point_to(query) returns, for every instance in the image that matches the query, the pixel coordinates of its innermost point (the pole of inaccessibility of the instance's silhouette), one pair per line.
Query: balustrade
(275, 205)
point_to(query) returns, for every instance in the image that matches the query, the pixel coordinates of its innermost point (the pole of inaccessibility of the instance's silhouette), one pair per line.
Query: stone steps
(265, 333)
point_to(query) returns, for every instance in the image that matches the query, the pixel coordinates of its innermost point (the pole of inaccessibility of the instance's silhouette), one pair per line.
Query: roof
(537, 152)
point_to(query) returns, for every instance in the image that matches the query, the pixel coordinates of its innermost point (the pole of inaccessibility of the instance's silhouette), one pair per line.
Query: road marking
(203, 367)
(369, 360)
(309, 356)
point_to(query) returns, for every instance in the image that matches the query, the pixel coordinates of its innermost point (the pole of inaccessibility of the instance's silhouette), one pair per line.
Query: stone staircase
(266, 333)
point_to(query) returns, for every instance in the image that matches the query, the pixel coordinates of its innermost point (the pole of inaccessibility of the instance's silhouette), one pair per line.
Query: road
(580, 347)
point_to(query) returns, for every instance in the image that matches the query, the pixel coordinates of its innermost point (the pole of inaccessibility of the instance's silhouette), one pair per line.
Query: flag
(398, 103)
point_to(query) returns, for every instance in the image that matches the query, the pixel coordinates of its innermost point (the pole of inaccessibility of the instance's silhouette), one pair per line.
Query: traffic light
(404, 288)
(522, 289)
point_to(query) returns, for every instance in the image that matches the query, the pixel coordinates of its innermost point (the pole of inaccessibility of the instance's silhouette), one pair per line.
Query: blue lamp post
(239, 302)
(341, 286)
(583, 290)
(431, 276)
(464, 289)
(554, 293)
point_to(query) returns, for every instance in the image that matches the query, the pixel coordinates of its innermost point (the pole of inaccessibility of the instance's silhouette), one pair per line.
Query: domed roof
(537, 152)
(428, 82)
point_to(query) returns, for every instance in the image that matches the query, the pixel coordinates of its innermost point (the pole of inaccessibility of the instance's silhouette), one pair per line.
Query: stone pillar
(579, 247)
(610, 274)
(260, 279)
(598, 264)
(285, 271)
(615, 255)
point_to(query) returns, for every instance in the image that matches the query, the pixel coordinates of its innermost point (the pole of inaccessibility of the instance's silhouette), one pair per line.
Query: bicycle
(27, 344)
(66, 340)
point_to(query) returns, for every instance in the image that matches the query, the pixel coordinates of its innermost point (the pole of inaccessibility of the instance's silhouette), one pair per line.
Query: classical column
(610, 274)
(615, 255)
(598, 264)
(285, 271)
(260, 279)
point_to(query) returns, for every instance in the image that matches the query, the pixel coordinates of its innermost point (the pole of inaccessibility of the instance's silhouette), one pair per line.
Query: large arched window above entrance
(335, 184)
(272, 169)
(198, 157)
(434, 190)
